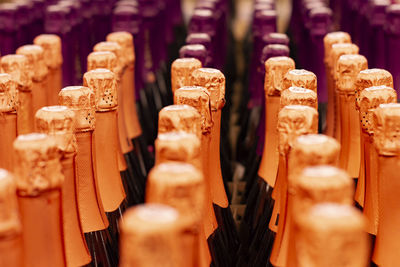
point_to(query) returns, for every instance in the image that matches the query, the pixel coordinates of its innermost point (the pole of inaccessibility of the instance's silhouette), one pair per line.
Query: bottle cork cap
(293, 121)
(199, 38)
(10, 223)
(347, 69)
(214, 81)
(332, 234)
(370, 99)
(274, 50)
(103, 82)
(371, 77)
(179, 185)
(18, 67)
(8, 93)
(334, 38)
(181, 71)
(299, 96)
(115, 48)
(199, 98)
(150, 236)
(102, 60)
(197, 51)
(36, 63)
(179, 118)
(386, 127)
(300, 78)
(275, 38)
(275, 69)
(37, 164)
(59, 123)
(125, 40)
(81, 100)
(338, 50)
(51, 45)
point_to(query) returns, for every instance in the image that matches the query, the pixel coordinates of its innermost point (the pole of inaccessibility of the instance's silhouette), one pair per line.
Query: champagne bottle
(181, 71)
(9, 29)
(11, 253)
(151, 235)
(386, 121)
(367, 78)
(392, 37)
(59, 123)
(51, 45)
(8, 120)
(24, 18)
(202, 39)
(18, 67)
(327, 219)
(39, 180)
(197, 51)
(347, 69)
(92, 215)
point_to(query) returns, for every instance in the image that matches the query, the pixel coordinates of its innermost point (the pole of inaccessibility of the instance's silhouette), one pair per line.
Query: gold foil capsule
(103, 82)
(59, 123)
(334, 38)
(386, 129)
(299, 96)
(338, 50)
(347, 70)
(8, 93)
(10, 223)
(102, 60)
(275, 70)
(181, 72)
(51, 45)
(37, 164)
(117, 50)
(18, 67)
(125, 40)
(81, 100)
(300, 78)
(36, 62)
(214, 81)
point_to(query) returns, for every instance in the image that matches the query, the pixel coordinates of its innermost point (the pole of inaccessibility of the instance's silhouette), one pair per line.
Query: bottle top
(10, 223)
(325, 234)
(117, 50)
(338, 50)
(300, 78)
(371, 77)
(102, 60)
(181, 71)
(179, 185)
(126, 18)
(125, 40)
(214, 81)
(203, 20)
(274, 50)
(51, 45)
(347, 69)
(178, 147)
(370, 99)
(36, 63)
(199, 98)
(275, 38)
(386, 125)
(37, 164)
(57, 19)
(199, 38)
(81, 100)
(18, 67)
(293, 121)
(275, 69)
(377, 12)
(299, 96)
(197, 51)
(103, 82)
(320, 20)
(150, 236)
(334, 38)
(59, 123)
(265, 17)
(8, 93)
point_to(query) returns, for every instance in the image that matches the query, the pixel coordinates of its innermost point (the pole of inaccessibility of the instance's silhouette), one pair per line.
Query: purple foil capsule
(203, 39)
(197, 51)
(8, 28)
(85, 39)
(275, 38)
(392, 31)
(38, 23)
(25, 17)
(102, 10)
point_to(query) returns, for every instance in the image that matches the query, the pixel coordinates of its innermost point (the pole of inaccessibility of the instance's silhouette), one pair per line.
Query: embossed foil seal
(334, 38)
(103, 82)
(199, 98)
(125, 40)
(102, 60)
(8, 93)
(58, 122)
(370, 99)
(214, 81)
(275, 70)
(338, 50)
(51, 45)
(387, 128)
(151, 236)
(293, 121)
(10, 223)
(347, 69)
(332, 234)
(299, 96)
(300, 78)
(36, 63)
(371, 77)
(81, 100)
(181, 72)
(117, 50)
(18, 67)
(37, 164)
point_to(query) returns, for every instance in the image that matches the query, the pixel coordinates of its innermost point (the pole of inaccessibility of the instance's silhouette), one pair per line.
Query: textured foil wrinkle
(214, 81)
(36, 63)
(102, 60)
(37, 164)
(338, 50)
(347, 70)
(177, 118)
(103, 82)
(125, 40)
(300, 78)
(18, 67)
(10, 223)
(115, 48)
(275, 70)
(8, 93)
(334, 38)
(387, 129)
(51, 45)
(299, 96)
(81, 100)
(181, 72)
